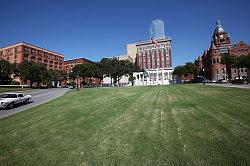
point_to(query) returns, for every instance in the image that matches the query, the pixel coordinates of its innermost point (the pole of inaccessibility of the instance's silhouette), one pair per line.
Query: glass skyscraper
(157, 29)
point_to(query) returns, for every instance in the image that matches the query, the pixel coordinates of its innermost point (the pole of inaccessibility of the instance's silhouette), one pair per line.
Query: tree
(132, 79)
(228, 61)
(233, 61)
(180, 71)
(85, 70)
(246, 63)
(105, 66)
(57, 76)
(191, 68)
(31, 71)
(6, 69)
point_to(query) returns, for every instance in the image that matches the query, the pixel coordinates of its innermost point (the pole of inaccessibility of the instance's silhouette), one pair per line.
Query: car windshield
(8, 96)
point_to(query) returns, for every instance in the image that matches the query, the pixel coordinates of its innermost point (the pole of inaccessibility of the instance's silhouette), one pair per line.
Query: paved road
(39, 96)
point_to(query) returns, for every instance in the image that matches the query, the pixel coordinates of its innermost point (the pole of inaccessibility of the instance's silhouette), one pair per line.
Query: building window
(8, 58)
(217, 71)
(26, 56)
(241, 70)
(33, 57)
(223, 70)
(40, 59)
(45, 61)
(245, 70)
(218, 60)
(51, 62)
(15, 56)
(234, 71)
(214, 60)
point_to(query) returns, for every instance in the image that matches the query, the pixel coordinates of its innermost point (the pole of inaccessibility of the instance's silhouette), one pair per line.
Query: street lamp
(77, 83)
(203, 75)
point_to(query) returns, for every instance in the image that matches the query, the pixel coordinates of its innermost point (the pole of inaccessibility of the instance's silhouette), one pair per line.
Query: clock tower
(220, 37)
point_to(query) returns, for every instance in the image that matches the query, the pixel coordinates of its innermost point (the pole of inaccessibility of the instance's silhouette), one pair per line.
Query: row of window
(241, 70)
(37, 52)
(215, 60)
(157, 65)
(158, 51)
(235, 71)
(153, 58)
(223, 40)
(153, 46)
(45, 60)
(242, 50)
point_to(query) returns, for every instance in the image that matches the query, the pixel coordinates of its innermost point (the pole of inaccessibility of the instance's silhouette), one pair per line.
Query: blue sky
(96, 29)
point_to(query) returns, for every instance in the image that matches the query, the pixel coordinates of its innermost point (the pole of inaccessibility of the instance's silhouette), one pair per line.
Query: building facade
(21, 52)
(154, 56)
(156, 59)
(221, 45)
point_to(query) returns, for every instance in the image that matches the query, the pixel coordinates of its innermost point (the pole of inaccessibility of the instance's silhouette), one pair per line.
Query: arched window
(51, 62)
(214, 60)
(217, 60)
(40, 59)
(33, 57)
(45, 61)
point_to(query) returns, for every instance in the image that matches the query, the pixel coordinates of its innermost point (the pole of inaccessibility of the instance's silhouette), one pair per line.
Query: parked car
(9, 100)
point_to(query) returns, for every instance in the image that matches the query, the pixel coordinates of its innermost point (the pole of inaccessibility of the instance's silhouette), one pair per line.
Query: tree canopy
(6, 69)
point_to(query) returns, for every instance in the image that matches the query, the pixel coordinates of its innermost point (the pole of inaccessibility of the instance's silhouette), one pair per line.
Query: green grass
(160, 125)
(11, 89)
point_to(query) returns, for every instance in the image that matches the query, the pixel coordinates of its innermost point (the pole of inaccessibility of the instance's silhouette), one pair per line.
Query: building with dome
(210, 61)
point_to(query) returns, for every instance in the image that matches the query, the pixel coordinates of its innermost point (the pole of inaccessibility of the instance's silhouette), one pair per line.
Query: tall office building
(157, 29)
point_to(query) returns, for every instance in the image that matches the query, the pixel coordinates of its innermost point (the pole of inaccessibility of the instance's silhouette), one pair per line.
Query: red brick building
(154, 56)
(221, 45)
(20, 52)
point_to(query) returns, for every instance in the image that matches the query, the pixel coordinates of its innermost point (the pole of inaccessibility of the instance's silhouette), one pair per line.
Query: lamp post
(77, 83)
(203, 75)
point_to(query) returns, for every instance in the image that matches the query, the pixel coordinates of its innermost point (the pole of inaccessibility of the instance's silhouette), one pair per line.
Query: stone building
(221, 45)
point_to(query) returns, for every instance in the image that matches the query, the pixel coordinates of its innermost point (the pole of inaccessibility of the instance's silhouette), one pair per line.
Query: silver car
(9, 100)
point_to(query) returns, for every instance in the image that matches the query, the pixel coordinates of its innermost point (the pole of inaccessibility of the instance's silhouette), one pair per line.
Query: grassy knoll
(160, 125)
(11, 89)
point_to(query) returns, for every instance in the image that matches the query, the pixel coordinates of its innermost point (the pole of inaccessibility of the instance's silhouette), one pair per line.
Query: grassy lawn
(10, 89)
(160, 125)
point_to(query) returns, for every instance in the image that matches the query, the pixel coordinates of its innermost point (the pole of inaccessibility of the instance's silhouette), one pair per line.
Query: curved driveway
(39, 96)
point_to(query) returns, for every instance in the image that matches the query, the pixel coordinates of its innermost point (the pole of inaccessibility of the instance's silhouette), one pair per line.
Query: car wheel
(11, 105)
(27, 101)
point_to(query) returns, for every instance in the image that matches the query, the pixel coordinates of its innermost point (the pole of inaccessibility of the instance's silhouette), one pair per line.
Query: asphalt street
(39, 96)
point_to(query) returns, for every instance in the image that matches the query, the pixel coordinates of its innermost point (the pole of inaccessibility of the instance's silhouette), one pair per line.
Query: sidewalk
(230, 85)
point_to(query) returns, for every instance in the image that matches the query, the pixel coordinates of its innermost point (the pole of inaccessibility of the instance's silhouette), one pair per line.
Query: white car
(8, 100)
